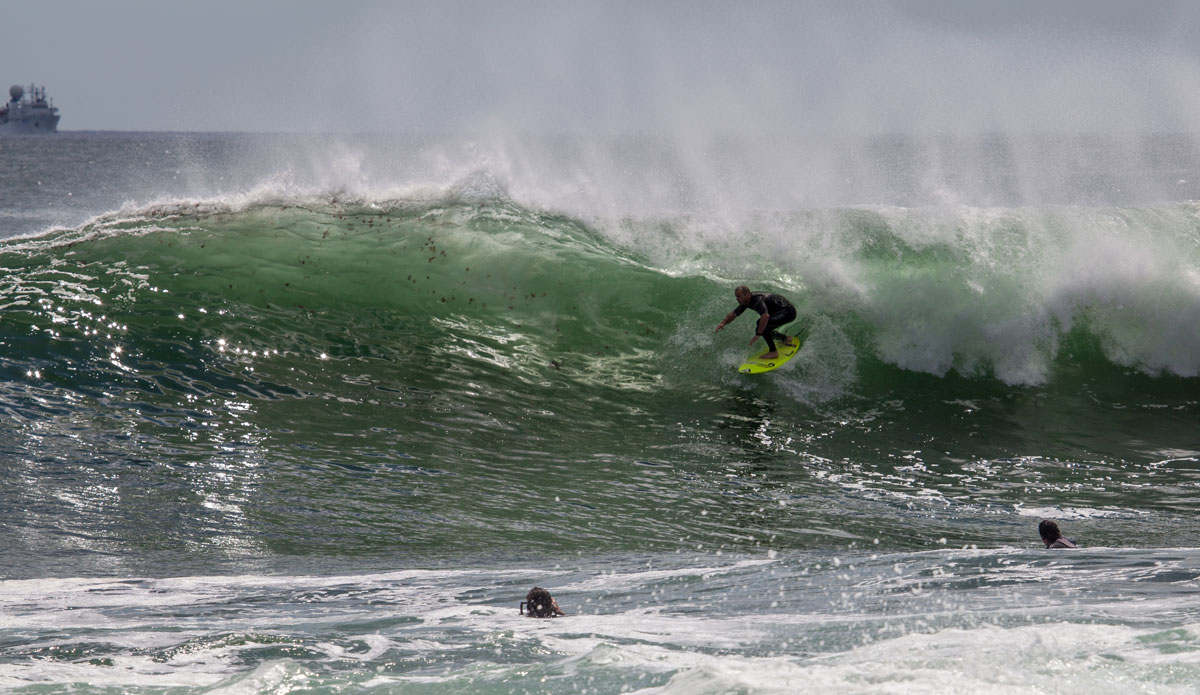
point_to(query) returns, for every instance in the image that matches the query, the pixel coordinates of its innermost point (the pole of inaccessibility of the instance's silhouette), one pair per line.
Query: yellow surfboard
(755, 364)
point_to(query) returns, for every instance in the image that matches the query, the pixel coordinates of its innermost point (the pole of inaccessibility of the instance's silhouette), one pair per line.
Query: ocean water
(311, 414)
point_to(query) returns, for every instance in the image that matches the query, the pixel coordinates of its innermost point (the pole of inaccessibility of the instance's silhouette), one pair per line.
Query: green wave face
(401, 287)
(466, 374)
(437, 341)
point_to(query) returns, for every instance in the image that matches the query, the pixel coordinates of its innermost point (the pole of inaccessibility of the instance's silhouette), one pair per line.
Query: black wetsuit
(776, 307)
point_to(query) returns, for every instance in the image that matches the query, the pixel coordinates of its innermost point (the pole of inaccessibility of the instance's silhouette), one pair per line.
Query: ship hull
(32, 125)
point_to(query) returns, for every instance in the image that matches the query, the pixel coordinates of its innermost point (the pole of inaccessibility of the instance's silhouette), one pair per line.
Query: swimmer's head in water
(1049, 532)
(539, 603)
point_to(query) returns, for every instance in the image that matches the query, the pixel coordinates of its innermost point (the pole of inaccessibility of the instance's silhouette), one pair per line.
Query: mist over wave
(65, 180)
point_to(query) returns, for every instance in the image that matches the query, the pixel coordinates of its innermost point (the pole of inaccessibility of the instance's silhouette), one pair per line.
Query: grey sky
(621, 66)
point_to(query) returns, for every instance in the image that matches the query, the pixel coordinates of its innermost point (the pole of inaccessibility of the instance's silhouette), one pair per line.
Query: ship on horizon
(28, 112)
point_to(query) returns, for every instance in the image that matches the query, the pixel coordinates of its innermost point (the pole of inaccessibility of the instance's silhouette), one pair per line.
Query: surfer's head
(540, 604)
(743, 295)
(1049, 532)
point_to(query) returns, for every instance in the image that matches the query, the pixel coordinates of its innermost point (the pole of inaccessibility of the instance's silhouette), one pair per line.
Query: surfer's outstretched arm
(728, 319)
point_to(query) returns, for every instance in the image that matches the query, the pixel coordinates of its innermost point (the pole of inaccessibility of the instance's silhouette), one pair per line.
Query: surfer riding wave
(773, 311)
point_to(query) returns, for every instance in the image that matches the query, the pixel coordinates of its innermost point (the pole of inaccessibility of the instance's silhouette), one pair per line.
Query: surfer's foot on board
(770, 355)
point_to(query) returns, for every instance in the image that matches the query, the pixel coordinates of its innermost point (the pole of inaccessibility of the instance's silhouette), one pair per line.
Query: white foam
(1074, 513)
(863, 623)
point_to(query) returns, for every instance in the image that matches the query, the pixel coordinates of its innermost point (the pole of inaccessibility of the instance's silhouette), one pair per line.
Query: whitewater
(309, 414)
